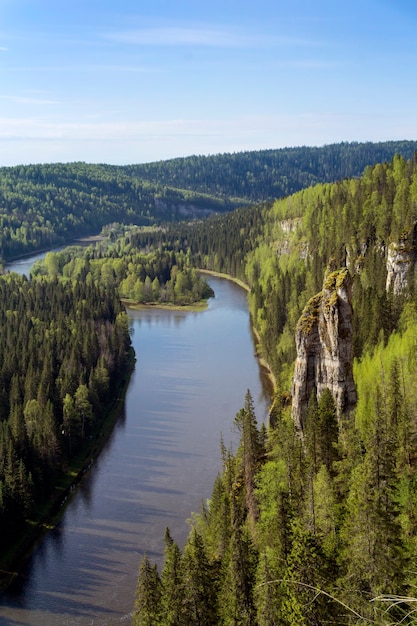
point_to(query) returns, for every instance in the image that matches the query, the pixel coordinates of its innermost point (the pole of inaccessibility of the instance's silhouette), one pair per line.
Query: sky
(135, 81)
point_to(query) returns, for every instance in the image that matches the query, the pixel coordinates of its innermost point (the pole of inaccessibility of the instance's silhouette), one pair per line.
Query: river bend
(192, 372)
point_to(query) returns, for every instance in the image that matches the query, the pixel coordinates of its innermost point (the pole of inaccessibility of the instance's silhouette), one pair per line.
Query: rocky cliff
(401, 260)
(324, 348)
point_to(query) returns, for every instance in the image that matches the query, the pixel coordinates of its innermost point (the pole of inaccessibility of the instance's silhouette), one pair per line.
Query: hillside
(312, 520)
(46, 205)
(268, 174)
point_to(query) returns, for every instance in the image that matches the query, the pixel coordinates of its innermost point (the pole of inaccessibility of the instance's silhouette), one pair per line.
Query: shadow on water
(159, 461)
(71, 595)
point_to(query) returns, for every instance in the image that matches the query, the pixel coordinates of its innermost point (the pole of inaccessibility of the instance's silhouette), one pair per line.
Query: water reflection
(191, 376)
(161, 317)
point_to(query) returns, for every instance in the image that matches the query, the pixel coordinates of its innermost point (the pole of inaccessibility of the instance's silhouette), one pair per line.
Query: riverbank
(262, 361)
(85, 240)
(168, 306)
(201, 306)
(50, 512)
(237, 281)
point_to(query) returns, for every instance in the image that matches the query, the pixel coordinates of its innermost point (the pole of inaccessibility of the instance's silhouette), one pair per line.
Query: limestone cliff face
(324, 348)
(401, 260)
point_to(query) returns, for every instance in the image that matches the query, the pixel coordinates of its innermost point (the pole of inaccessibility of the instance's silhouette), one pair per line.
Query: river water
(191, 376)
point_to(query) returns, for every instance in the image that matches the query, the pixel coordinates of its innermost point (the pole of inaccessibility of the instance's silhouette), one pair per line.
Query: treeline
(261, 175)
(282, 251)
(220, 243)
(317, 527)
(64, 348)
(47, 205)
(157, 276)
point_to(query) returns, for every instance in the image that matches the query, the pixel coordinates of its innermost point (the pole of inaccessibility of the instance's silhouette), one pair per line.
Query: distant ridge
(42, 206)
(260, 175)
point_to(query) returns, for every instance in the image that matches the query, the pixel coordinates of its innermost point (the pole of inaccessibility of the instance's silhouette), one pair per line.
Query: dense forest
(283, 250)
(64, 351)
(312, 525)
(64, 348)
(46, 205)
(156, 277)
(268, 174)
(316, 526)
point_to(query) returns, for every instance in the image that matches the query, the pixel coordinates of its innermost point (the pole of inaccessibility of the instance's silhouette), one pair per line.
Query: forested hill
(268, 174)
(311, 522)
(46, 205)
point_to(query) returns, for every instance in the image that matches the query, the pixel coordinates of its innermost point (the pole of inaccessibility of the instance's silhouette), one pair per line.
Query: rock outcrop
(401, 259)
(324, 348)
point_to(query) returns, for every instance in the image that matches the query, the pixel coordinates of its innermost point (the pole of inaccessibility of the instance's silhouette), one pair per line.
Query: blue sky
(133, 81)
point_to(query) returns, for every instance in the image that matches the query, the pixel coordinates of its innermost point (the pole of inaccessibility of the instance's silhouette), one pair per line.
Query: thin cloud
(34, 128)
(135, 142)
(134, 69)
(246, 128)
(308, 64)
(198, 36)
(28, 100)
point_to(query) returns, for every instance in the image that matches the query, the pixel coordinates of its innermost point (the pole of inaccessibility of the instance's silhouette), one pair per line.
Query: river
(191, 376)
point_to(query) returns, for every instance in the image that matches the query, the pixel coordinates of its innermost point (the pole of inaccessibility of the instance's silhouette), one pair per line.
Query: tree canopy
(319, 527)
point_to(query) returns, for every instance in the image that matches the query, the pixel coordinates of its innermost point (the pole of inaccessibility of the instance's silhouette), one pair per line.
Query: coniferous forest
(311, 526)
(311, 522)
(42, 206)
(64, 347)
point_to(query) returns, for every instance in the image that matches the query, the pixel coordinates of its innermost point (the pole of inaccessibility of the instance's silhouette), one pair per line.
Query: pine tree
(200, 586)
(251, 453)
(172, 603)
(237, 607)
(148, 596)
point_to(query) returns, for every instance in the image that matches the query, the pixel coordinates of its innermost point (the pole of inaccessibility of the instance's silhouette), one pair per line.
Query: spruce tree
(199, 584)
(236, 600)
(251, 453)
(172, 603)
(148, 596)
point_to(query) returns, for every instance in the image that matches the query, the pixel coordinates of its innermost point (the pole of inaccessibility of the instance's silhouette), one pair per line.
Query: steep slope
(401, 262)
(268, 174)
(324, 340)
(46, 205)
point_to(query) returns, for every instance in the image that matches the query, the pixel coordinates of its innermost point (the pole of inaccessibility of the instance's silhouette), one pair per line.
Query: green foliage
(46, 205)
(302, 528)
(62, 350)
(268, 174)
(148, 602)
(199, 584)
(172, 601)
(249, 455)
(157, 276)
